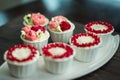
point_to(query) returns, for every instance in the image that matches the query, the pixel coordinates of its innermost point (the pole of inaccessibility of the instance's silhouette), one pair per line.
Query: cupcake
(21, 60)
(102, 29)
(35, 19)
(58, 57)
(36, 36)
(85, 45)
(61, 29)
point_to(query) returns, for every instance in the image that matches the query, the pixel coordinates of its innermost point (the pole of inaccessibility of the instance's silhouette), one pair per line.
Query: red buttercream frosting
(36, 28)
(69, 50)
(64, 26)
(12, 58)
(108, 26)
(76, 36)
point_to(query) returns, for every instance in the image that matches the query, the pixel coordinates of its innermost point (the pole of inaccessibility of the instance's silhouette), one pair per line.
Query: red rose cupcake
(102, 29)
(58, 57)
(36, 36)
(35, 19)
(21, 60)
(61, 29)
(86, 45)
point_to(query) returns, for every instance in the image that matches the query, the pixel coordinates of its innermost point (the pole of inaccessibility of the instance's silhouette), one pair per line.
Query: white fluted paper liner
(58, 67)
(62, 36)
(85, 55)
(39, 43)
(104, 39)
(22, 71)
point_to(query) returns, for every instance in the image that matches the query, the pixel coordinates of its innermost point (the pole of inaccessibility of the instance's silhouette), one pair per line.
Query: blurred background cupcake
(61, 29)
(35, 19)
(86, 46)
(22, 60)
(102, 29)
(35, 35)
(58, 57)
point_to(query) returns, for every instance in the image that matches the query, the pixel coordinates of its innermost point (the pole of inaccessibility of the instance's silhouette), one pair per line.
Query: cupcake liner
(85, 55)
(104, 39)
(62, 36)
(22, 71)
(57, 67)
(38, 45)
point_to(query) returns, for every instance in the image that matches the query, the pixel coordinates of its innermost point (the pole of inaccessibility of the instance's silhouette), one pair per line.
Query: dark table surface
(78, 11)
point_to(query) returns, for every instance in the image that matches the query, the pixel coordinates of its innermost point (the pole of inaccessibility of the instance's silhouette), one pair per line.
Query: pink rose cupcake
(22, 60)
(102, 29)
(61, 29)
(85, 45)
(58, 57)
(35, 19)
(36, 36)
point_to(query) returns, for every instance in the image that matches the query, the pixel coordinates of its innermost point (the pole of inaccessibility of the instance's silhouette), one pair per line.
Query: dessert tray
(78, 69)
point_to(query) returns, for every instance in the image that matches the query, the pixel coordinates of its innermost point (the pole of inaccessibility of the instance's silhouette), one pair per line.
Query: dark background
(83, 11)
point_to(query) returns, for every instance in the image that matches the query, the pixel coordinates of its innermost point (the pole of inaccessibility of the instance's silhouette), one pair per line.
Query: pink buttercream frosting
(26, 29)
(53, 24)
(59, 18)
(32, 33)
(38, 19)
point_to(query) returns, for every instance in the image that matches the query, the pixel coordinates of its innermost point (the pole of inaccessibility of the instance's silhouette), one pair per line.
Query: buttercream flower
(38, 19)
(31, 35)
(59, 18)
(53, 24)
(26, 29)
(59, 24)
(35, 19)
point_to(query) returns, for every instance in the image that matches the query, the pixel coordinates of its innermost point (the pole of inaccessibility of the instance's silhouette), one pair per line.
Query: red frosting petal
(36, 28)
(65, 25)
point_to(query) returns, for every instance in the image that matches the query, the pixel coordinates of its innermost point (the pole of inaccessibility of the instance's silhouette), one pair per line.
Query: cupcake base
(104, 39)
(57, 67)
(61, 37)
(22, 71)
(38, 45)
(85, 55)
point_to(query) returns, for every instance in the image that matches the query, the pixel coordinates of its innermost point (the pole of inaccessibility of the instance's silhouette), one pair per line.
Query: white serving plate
(78, 69)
